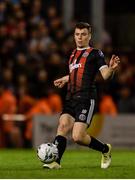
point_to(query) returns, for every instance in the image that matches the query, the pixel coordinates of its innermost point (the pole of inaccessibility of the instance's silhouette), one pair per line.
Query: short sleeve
(100, 60)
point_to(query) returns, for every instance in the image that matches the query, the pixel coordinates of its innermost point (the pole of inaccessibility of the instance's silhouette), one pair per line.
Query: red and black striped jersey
(83, 67)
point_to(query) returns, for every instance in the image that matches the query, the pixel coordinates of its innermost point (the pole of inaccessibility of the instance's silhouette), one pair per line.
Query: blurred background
(36, 39)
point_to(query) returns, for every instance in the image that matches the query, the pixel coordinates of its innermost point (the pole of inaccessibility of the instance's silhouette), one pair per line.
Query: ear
(89, 36)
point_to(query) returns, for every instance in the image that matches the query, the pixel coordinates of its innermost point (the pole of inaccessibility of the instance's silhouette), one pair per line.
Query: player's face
(82, 37)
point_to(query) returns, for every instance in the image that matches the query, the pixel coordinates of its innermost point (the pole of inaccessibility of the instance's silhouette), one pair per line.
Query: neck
(82, 48)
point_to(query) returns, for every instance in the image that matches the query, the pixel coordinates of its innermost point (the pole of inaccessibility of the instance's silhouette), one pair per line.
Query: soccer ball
(47, 153)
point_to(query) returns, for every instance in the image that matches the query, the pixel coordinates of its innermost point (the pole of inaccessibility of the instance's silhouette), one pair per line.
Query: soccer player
(80, 103)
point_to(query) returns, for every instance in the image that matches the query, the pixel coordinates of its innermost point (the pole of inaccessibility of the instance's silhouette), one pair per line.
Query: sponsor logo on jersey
(74, 66)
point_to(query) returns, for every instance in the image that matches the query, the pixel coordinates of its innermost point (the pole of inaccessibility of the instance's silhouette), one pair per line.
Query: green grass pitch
(75, 164)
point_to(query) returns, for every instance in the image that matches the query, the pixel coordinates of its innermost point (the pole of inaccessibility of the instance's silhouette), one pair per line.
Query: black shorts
(80, 109)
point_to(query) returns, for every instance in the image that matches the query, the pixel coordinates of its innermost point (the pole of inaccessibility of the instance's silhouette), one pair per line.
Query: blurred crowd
(34, 49)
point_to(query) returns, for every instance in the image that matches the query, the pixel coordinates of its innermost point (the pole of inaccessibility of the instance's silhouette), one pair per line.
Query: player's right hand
(61, 82)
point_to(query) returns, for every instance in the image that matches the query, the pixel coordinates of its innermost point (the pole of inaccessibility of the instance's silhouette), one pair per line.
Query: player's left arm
(108, 71)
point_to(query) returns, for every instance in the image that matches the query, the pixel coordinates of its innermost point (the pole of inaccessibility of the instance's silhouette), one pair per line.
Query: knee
(63, 127)
(77, 138)
(65, 124)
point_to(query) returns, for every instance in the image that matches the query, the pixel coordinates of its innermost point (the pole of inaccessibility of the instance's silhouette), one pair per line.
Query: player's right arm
(62, 81)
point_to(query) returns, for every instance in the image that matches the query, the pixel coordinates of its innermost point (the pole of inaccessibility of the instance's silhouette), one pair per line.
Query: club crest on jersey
(85, 54)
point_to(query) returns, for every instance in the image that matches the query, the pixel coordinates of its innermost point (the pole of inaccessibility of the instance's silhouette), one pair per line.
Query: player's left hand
(114, 62)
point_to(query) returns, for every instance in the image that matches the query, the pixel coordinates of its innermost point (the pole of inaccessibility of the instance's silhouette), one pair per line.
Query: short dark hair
(82, 25)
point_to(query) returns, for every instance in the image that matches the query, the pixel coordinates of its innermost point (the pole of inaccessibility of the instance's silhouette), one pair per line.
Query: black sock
(61, 142)
(97, 145)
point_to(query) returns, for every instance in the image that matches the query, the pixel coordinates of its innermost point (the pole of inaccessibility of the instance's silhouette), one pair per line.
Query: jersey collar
(83, 48)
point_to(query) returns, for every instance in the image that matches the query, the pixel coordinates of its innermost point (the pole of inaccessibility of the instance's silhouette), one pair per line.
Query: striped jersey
(83, 67)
